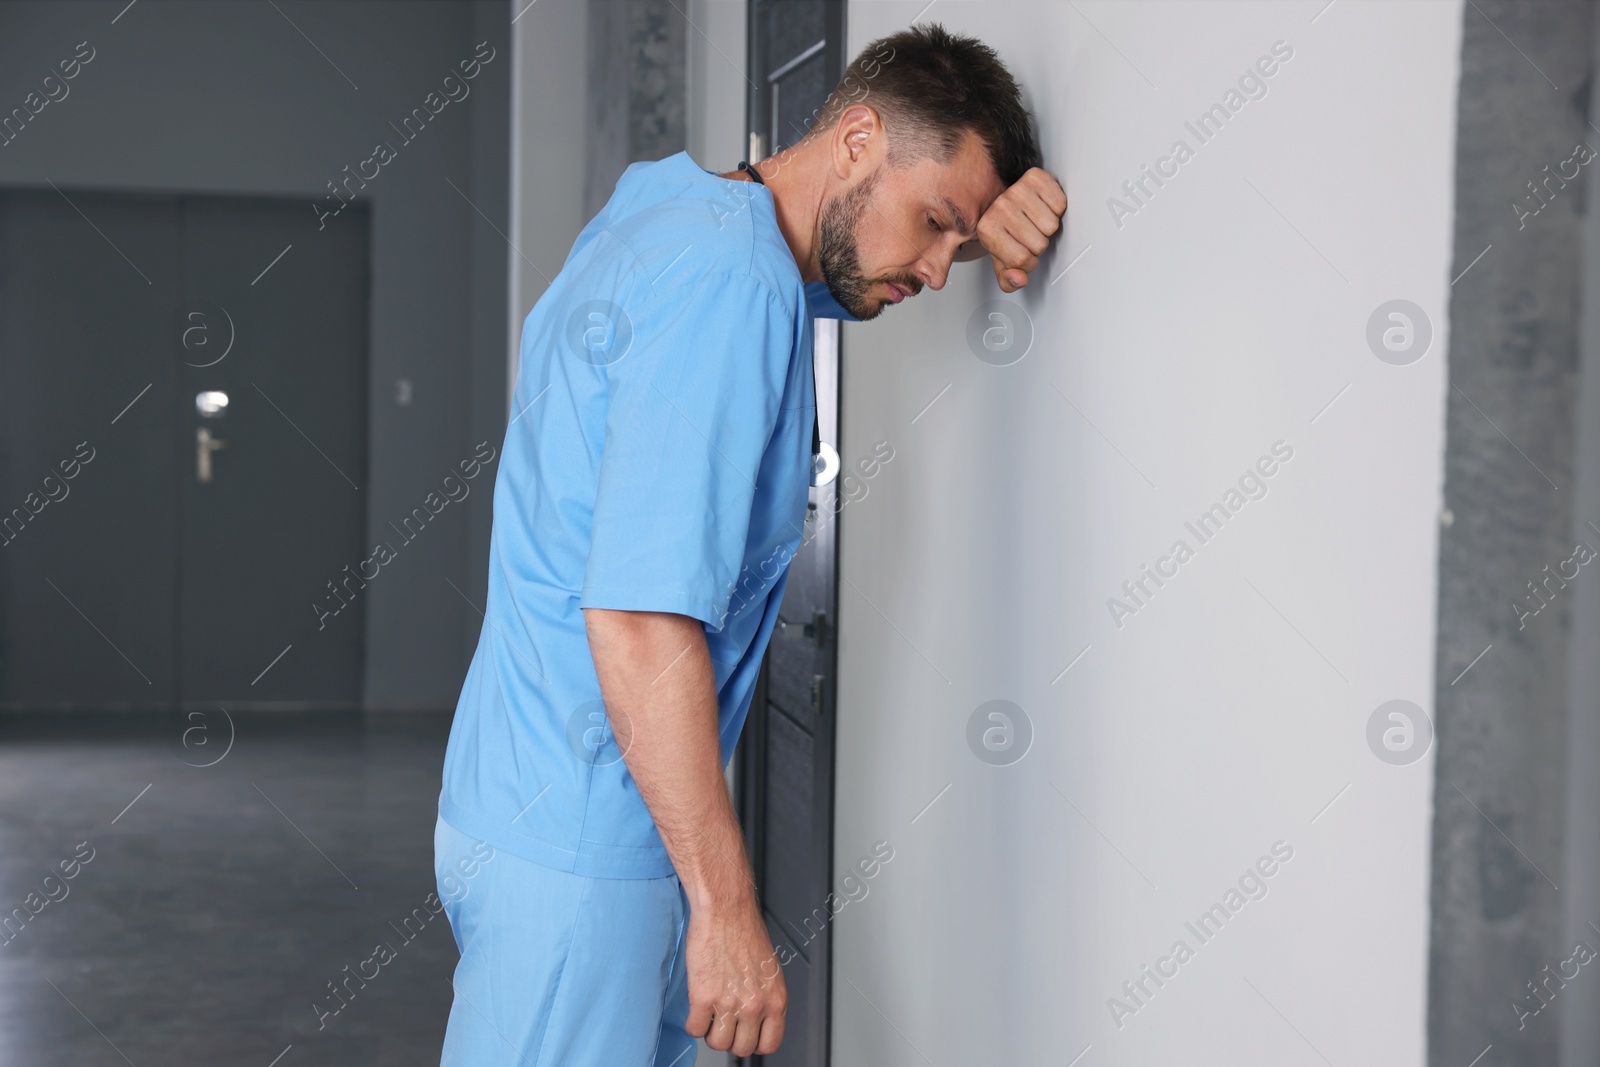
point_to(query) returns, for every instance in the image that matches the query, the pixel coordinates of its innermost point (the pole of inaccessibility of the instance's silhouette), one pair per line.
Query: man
(658, 457)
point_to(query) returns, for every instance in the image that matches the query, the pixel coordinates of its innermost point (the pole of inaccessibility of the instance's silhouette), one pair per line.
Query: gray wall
(1580, 1016)
(232, 98)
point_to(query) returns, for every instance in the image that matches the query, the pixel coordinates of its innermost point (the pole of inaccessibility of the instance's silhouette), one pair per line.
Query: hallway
(1230, 574)
(218, 905)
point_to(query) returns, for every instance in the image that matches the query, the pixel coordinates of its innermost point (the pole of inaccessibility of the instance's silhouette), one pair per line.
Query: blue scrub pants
(560, 970)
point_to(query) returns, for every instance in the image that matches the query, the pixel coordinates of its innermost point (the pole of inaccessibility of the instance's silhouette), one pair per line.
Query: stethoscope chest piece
(824, 464)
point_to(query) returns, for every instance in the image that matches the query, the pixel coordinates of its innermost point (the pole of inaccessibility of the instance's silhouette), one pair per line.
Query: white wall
(717, 86)
(549, 110)
(1225, 716)
(716, 89)
(550, 127)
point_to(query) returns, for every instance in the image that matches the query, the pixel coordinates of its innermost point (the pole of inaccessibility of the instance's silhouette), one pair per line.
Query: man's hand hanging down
(660, 695)
(1017, 228)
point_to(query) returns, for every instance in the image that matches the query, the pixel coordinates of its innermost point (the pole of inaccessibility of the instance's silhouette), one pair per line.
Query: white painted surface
(717, 84)
(549, 111)
(1228, 712)
(716, 112)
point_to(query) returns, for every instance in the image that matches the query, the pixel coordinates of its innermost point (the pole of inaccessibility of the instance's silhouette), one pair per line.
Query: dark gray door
(272, 553)
(786, 755)
(88, 577)
(159, 552)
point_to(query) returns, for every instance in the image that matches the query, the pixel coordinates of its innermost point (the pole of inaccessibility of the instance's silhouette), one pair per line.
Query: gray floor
(216, 909)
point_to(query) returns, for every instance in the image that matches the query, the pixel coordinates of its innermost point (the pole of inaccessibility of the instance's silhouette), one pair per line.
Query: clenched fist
(737, 996)
(1018, 226)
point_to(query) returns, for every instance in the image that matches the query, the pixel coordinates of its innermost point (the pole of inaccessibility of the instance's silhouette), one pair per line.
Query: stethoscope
(824, 457)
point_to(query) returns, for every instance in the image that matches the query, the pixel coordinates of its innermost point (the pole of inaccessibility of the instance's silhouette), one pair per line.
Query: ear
(858, 141)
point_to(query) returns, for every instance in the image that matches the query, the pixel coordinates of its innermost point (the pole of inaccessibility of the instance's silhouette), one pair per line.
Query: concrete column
(637, 102)
(1580, 1016)
(1500, 829)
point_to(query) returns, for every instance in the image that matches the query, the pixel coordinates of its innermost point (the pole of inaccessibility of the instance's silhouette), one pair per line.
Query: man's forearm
(660, 695)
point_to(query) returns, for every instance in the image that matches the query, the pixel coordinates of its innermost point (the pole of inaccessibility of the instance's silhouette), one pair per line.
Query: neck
(795, 178)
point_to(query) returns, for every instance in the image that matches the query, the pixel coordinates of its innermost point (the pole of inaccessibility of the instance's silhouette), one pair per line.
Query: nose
(934, 267)
(932, 273)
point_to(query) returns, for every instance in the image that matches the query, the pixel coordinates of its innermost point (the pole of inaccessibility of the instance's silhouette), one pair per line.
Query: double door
(183, 436)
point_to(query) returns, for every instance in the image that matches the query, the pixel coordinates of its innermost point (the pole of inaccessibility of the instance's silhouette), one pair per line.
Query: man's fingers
(1008, 251)
(1018, 228)
(1035, 203)
(743, 1028)
(771, 1034)
(1029, 234)
(1014, 241)
(1014, 238)
(747, 1036)
(1041, 216)
(1048, 188)
(724, 1029)
(761, 1025)
(1010, 279)
(699, 1020)
(712, 1015)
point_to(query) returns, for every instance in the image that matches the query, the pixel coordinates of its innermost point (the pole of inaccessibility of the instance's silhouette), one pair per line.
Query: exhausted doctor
(658, 456)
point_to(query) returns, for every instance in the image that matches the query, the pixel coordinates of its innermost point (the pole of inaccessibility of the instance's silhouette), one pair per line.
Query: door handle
(204, 445)
(814, 632)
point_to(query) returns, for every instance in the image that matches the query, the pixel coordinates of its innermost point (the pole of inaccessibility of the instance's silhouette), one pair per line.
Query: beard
(840, 256)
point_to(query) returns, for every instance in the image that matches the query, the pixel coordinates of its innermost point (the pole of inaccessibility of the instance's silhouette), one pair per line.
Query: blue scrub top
(657, 459)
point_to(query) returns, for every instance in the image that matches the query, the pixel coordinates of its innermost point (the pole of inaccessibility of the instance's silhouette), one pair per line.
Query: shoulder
(713, 307)
(711, 232)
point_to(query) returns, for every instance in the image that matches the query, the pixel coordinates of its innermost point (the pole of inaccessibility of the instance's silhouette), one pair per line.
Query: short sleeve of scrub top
(691, 408)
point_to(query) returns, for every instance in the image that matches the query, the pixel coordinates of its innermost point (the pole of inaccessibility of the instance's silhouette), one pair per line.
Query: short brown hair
(932, 87)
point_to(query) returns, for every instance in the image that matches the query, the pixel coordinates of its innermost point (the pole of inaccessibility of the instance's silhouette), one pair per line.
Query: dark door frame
(751, 758)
